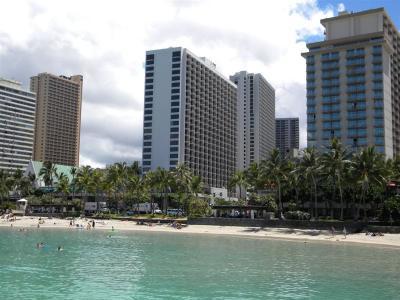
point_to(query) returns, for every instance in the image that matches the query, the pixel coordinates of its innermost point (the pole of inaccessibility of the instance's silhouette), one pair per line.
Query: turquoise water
(139, 265)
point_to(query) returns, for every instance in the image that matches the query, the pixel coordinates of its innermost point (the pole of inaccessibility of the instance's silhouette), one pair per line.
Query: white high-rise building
(189, 116)
(17, 122)
(256, 118)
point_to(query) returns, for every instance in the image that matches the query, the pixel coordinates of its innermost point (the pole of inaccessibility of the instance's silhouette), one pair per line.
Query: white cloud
(106, 43)
(341, 7)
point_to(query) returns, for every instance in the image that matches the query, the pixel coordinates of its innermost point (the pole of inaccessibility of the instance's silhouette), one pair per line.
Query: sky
(105, 41)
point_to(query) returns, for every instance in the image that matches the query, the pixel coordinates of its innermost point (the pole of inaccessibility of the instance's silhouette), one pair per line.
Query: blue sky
(392, 6)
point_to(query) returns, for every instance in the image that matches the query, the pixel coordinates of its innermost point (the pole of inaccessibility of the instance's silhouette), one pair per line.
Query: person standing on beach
(333, 231)
(344, 231)
(93, 223)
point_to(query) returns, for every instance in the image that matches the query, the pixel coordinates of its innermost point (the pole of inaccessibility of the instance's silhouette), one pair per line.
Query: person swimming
(59, 248)
(40, 245)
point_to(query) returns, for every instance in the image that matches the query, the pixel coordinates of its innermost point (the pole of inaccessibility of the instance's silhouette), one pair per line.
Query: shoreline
(287, 234)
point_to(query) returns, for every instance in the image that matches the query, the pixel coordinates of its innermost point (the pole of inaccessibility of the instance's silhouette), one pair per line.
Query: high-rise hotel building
(17, 122)
(189, 116)
(287, 135)
(256, 118)
(353, 87)
(58, 118)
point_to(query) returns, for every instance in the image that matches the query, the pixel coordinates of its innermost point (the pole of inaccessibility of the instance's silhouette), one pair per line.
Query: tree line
(357, 182)
(335, 183)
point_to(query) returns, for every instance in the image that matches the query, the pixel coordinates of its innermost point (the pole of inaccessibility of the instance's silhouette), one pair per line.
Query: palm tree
(274, 170)
(4, 185)
(84, 180)
(369, 169)
(238, 179)
(182, 177)
(253, 177)
(294, 178)
(310, 168)
(134, 168)
(334, 162)
(162, 181)
(196, 185)
(17, 181)
(63, 185)
(47, 172)
(73, 173)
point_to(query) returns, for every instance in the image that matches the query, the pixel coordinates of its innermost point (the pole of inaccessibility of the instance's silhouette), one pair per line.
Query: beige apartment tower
(353, 90)
(58, 118)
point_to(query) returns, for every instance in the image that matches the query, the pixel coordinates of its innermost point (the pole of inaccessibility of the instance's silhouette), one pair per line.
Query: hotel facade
(58, 118)
(353, 88)
(17, 122)
(190, 116)
(256, 118)
(287, 135)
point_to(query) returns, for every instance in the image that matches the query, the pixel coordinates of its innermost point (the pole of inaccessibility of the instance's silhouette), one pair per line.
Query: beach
(305, 235)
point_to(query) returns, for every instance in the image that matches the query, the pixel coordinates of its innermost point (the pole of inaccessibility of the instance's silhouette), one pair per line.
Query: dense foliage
(332, 184)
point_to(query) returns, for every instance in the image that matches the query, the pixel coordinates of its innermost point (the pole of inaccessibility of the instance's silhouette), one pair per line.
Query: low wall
(383, 229)
(54, 215)
(153, 220)
(320, 225)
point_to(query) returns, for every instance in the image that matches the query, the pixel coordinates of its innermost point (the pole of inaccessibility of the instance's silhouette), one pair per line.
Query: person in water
(59, 248)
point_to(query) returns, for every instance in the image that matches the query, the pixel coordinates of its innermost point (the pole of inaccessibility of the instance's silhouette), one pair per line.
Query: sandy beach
(305, 235)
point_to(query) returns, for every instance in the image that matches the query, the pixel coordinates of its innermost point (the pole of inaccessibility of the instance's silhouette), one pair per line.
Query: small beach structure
(22, 205)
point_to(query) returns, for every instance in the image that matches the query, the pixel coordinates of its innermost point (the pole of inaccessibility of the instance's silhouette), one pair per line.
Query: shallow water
(141, 265)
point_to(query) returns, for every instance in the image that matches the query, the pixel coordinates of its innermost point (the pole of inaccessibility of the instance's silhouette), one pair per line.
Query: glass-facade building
(17, 122)
(352, 83)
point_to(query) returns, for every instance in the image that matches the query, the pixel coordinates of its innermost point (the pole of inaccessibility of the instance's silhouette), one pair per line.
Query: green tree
(310, 168)
(47, 173)
(334, 164)
(274, 170)
(63, 185)
(239, 180)
(84, 180)
(369, 169)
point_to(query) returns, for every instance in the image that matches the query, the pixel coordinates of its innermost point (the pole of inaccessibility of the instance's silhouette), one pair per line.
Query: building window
(174, 109)
(174, 103)
(147, 144)
(173, 155)
(148, 105)
(147, 137)
(146, 156)
(149, 68)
